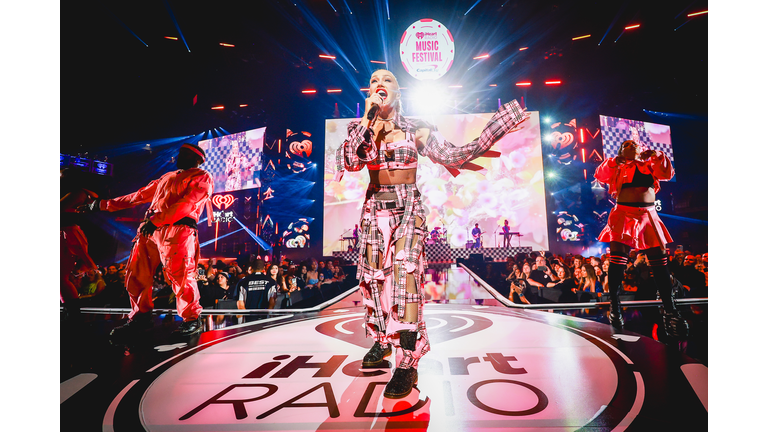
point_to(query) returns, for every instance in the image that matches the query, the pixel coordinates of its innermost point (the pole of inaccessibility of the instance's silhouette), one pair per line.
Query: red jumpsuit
(176, 195)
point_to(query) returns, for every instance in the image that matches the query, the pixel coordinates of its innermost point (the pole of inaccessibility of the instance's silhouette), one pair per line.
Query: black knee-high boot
(616, 268)
(674, 324)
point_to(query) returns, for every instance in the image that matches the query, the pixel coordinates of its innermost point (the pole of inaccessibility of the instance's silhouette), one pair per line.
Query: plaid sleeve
(356, 151)
(441, 151)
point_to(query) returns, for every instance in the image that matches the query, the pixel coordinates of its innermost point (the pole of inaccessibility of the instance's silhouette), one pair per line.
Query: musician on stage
(476, 233)
(391, 264)
(355, 235)
(507, 233)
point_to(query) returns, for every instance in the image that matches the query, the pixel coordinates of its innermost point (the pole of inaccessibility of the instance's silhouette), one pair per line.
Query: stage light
(523, 84)
(491, 85)
(581, 37)
(171, 38)
(551, 174)
(523, 48)
(220, 107)
(547, 120)
(697, 13)
(429, 98)
(632, 27)
(379, 62)
(553, 82)
(327, 57)
(484, 56)
(334, 90)
(243, 105)
(309, 91)
(581, 134)
(226, 45)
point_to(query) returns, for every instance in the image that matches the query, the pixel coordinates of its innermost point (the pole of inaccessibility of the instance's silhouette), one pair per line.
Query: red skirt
(637, 227)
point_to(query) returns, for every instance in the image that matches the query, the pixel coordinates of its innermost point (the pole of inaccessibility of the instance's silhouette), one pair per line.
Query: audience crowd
(224, 284)
(545, 278)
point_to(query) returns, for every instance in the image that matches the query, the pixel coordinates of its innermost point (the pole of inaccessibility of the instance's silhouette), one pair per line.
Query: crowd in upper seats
(545, 278)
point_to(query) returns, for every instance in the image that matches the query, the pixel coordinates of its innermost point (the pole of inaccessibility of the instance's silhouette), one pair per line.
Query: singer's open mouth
(381, 90)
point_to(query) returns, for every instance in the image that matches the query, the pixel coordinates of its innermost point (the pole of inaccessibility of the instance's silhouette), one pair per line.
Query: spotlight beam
(127, 28)
(176, 23)
(473, 6)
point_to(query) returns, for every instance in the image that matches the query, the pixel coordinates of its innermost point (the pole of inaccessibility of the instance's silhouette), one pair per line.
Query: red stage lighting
(220, 107)
(226, 45)
(583, 156)
(483, 56)
(334, 90)
(327, 57)
(309, 91)
(581, 37)
(491, 85)
(379, 62)
(632, 27)
(553, 82)
(171, 37)
(243, 105)
(581, 134)
(523, 48)
(523, 83)
(697, 13)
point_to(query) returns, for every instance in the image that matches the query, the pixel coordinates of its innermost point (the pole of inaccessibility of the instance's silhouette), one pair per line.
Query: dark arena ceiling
(148, 70)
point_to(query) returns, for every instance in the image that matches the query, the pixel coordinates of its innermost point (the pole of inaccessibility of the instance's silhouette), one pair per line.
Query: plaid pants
(383, 280)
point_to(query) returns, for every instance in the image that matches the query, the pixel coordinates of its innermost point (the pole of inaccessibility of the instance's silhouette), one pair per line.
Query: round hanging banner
(426, 49)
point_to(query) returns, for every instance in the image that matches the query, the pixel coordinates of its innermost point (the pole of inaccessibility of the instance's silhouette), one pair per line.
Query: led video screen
(512, 188)
(650, 136)
(234, 160)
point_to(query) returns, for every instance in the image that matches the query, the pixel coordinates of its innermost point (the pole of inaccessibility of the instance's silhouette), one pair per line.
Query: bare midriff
(636, 195)
(391, 177)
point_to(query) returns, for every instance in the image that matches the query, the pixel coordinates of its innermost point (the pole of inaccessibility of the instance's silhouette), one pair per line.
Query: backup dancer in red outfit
(633, 180)
(391, 264)
(168, 235)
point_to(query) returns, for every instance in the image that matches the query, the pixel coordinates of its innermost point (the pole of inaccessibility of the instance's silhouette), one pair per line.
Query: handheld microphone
(375, 107)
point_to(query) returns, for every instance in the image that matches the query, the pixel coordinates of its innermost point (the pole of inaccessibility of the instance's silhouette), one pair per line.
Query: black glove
(89, 208)
(147, 228)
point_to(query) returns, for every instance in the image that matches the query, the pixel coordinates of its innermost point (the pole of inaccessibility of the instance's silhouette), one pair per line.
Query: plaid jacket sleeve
(441, 151)
(356, 151)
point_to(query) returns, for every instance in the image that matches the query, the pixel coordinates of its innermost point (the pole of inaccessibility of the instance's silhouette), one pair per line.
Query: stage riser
(443, 253)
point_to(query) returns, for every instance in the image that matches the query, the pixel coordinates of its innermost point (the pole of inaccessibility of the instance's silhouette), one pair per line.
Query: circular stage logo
(426, 49)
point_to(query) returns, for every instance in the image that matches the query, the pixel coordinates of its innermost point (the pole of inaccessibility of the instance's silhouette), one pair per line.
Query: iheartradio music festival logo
(495, 369)
(427, 49)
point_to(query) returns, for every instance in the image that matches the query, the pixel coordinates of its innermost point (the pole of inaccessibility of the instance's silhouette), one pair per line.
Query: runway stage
(491, 368)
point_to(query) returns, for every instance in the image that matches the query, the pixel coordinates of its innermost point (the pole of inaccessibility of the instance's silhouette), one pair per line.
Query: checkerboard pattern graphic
(613, 136)
(442, 253)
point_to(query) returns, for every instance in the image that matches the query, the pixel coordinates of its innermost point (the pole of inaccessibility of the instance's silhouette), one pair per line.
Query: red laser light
(581, 134)
(220, 107)
(171, 38)
(243, 105)
(523, 48)
(327, 57)
(334, 90)
(491, 85)
(583, 156)
(484, 56)
(632, 27)
(523, 84)
(226, 45)
(581, 37)
(379, 62)
(555, 82)
(309, 91)
(697, 13)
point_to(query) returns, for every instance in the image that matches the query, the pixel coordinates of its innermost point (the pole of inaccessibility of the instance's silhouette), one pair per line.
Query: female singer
(393, 229)
(633, 179)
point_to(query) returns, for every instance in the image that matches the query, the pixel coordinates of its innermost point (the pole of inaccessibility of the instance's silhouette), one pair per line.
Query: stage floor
(490, 368)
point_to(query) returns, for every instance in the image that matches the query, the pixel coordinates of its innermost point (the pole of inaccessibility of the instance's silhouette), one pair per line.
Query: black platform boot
(376, 354)
(675, 325)
(403, 380)
(140, 323)
(616, 268)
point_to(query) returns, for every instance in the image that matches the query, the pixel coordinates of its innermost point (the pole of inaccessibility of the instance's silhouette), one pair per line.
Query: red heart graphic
(223, 200)
(302, 148)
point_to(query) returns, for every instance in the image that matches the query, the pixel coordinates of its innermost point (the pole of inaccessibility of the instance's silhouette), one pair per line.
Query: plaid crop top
(396, 155)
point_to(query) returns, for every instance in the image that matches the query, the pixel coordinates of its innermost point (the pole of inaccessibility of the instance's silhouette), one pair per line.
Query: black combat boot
(376, 354)
(403, 380)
